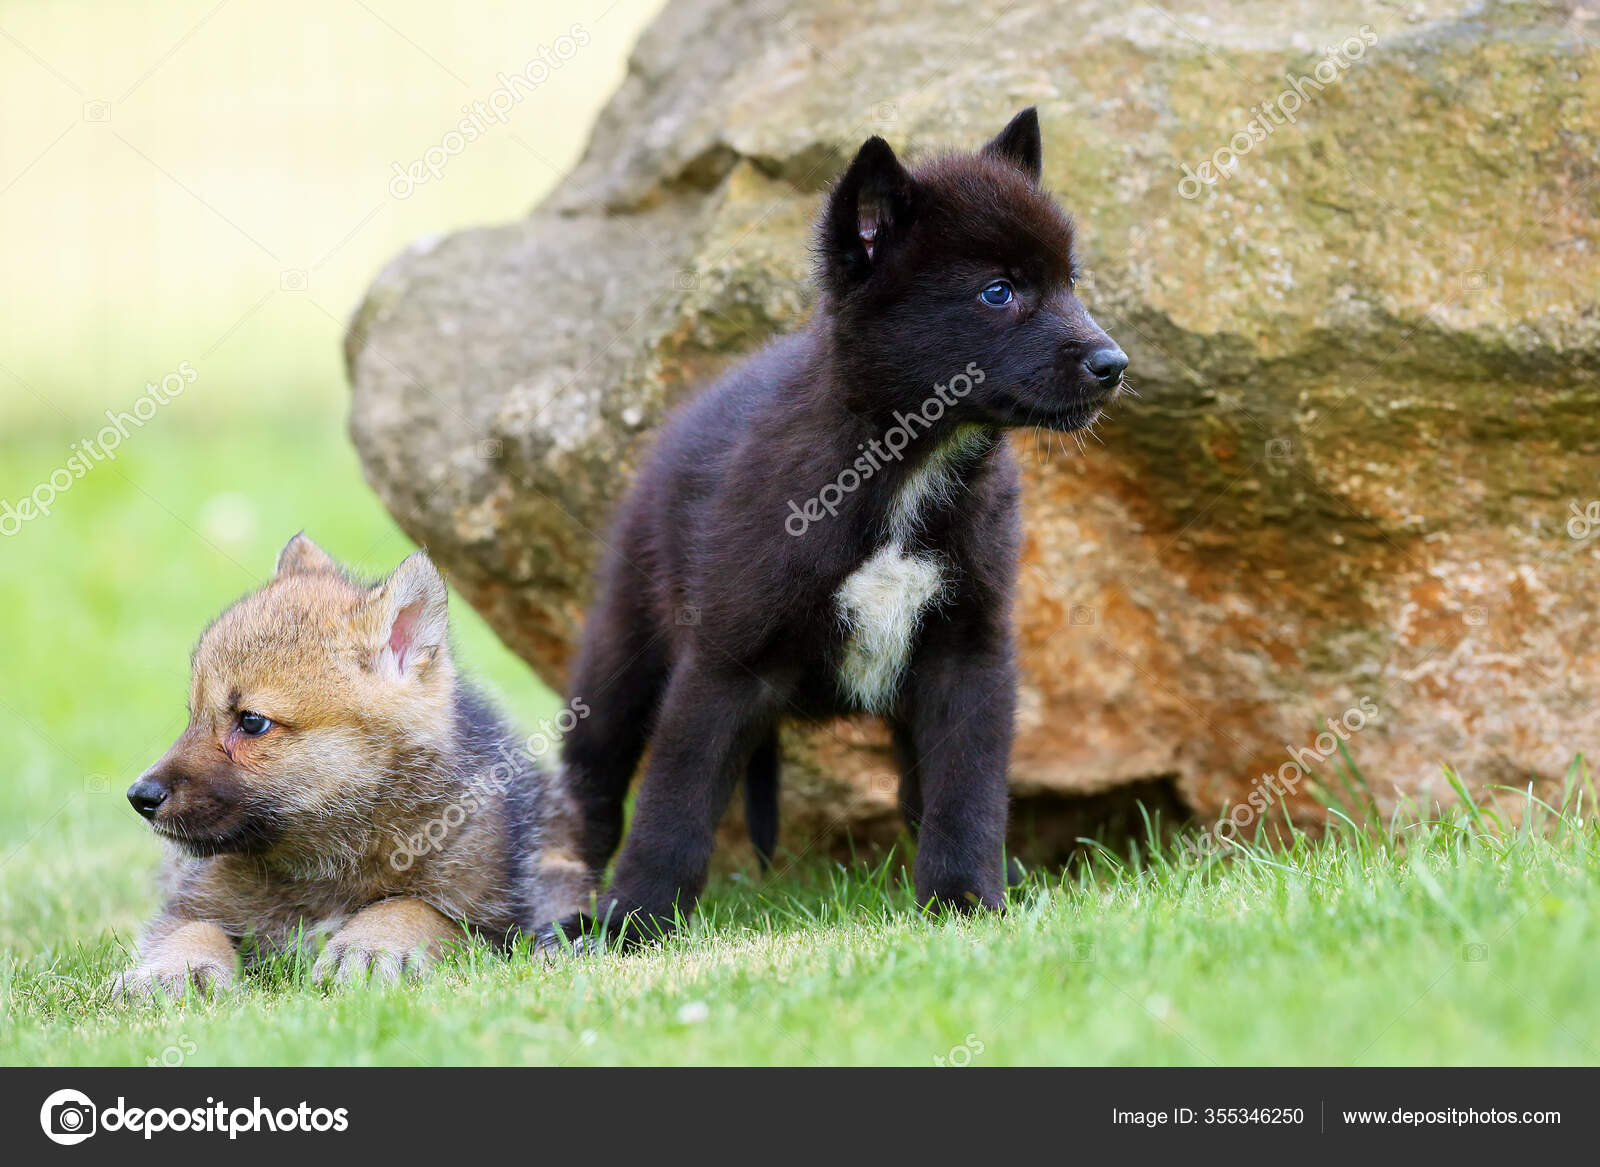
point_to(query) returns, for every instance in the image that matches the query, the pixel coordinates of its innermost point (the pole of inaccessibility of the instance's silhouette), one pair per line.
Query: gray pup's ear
(300, 556)
(1020, 144)
(406, 618)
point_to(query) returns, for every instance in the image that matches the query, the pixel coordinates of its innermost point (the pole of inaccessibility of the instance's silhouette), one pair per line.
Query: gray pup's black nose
(147, 795)
(1107, 364)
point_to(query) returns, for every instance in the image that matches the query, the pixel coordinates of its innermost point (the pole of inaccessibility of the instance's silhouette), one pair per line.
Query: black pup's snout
(1107, 365)
(147, 795)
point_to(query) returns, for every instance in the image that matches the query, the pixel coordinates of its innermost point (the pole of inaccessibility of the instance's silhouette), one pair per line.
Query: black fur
(761, 799)
(714, 619)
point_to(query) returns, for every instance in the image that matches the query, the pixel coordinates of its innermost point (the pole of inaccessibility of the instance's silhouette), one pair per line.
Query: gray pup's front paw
(172, 979)
(195, 955)
(351, 961)
(386, 942)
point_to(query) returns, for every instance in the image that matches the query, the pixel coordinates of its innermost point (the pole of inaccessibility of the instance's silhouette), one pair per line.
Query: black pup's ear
(868, 214)
(1019, 144)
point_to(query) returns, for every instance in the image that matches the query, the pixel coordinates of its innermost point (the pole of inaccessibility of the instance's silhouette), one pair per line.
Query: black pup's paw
(966, 903)
(961, 895)
(576, 935)
(586, 932)
(557, 941)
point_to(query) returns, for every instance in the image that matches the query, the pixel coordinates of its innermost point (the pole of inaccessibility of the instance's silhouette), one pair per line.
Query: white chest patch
(881, 604)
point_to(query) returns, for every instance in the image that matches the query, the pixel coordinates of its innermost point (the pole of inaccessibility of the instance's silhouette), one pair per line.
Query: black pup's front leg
(956, 723)
(711, 720)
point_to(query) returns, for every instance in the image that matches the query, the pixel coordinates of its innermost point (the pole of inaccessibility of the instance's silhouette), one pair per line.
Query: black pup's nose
(147, 795)
(1107, 364)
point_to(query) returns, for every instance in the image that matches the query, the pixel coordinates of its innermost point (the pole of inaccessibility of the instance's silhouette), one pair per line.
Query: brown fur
(310, 830)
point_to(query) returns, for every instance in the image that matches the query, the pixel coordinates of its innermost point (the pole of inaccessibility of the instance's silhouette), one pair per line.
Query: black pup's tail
(761, 799)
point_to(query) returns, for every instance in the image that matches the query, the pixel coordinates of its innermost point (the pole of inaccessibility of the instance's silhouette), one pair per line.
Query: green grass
(1461, 943)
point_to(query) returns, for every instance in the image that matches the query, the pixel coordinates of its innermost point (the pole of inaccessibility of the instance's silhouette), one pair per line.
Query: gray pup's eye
(997, 294)
(253, 724)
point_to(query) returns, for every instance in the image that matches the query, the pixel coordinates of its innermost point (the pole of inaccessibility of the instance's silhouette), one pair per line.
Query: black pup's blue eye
(253, 724)
(997, 294)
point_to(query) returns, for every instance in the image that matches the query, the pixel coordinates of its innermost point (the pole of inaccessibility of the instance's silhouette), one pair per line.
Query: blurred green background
(209, 183)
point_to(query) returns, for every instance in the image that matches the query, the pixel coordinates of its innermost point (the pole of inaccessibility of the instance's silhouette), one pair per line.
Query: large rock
(1367, 356)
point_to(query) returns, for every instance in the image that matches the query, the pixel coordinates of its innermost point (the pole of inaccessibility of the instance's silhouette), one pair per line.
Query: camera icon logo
(96, 784)
(97, 111)
(491, 449)
(1280, 449)
(1475, 953)
(68, 1117)
(687, 616)
(293, 279)
(686, 281)
(1081, 616)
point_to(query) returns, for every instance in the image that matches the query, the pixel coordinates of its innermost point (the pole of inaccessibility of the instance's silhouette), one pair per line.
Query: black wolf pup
(832, 528)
